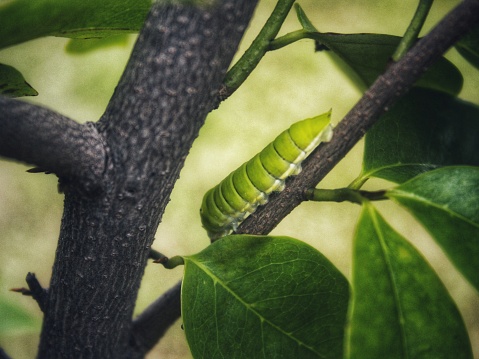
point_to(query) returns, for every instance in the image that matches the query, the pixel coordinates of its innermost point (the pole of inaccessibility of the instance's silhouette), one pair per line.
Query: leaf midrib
(216, 279)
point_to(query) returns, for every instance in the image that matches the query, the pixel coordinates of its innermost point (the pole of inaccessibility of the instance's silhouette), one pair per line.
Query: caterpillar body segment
(225, 206)
(276, 165)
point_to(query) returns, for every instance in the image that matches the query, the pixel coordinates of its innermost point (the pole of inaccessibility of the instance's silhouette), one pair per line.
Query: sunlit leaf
(446, 202)
(399, 307)
(263, 297)
(368, 56)
(424, 130)
(12, 83)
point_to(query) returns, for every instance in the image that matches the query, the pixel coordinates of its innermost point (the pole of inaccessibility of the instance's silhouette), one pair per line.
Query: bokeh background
(289, 85)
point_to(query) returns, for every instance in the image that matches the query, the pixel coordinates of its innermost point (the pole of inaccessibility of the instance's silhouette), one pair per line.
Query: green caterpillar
(226, 205)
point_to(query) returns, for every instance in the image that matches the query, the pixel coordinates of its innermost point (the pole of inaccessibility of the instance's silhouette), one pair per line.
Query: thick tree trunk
(169, 86)
(115, 196)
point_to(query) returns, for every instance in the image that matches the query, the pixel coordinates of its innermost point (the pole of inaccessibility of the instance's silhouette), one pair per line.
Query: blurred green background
(290, 84)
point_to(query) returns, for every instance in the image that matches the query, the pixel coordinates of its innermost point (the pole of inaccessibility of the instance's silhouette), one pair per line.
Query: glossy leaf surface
(263, 297)
(446, 202)
(399, 307)
(424, 130)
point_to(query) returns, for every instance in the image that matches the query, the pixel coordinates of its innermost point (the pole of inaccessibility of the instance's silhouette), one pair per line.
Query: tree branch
(385, 91)
(36, 290)
(388, 88)
(170, 84)
(150, 326)
(53, 142)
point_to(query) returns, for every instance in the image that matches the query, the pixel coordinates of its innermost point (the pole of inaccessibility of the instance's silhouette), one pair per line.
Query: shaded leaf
(468, 47)
(24, 20)
(446, 202)
(14, 318)
(424, 130)
(13, 84)
(263, 297)
(369, 54)
(399, 307)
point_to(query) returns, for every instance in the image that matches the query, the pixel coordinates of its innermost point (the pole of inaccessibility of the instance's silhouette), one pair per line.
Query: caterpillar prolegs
(226, 205)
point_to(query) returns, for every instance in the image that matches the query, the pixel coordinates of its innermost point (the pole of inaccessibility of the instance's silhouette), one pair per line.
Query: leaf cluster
(261, 297)
(265, 297)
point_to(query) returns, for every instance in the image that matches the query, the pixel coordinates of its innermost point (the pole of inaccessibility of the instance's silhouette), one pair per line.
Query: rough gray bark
(168, 87)
(52, 142)
(131, 158)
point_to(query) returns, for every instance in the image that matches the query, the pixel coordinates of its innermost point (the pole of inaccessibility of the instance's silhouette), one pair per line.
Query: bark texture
(170, 84)
(52, 142)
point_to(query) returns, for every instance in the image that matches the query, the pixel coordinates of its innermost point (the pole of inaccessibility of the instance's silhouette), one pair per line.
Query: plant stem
(289, 39)
(358, 182)
(246, 64)
(307, 32)
(412, 32)
(343, 194)
(170, 263)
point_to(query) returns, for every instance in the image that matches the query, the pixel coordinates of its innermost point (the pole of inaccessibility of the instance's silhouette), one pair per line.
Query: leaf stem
(343, 194)
(170, 263)
(358, 182)
(307, 32)
(250, 59)
(287, 39)
(412, 32)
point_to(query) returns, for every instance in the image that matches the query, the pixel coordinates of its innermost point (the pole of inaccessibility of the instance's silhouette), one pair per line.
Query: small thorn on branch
(36, 291)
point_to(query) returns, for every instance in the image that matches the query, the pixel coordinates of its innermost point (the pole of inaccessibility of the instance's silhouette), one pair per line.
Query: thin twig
(250, 59)
(415, 26)
(36, 291)
(152, 324)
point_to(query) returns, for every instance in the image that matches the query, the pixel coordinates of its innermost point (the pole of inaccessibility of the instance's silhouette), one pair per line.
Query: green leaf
(468, 47)
(399, 307)
(423, 131)
(24, 20)
(263, 297)
(369, 54)
(446, 202)
(12, 83)
(14, 318)
(82, 46)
